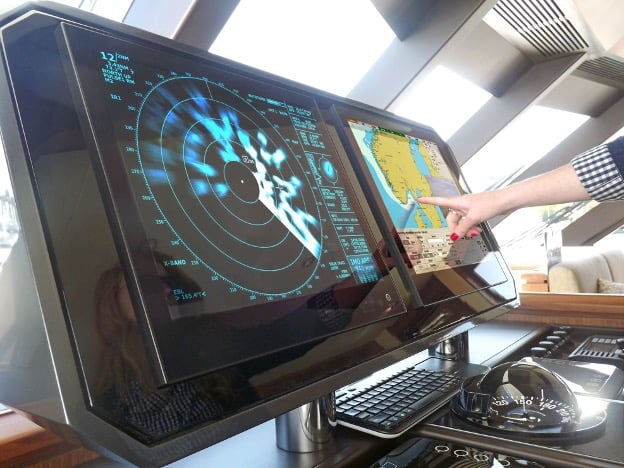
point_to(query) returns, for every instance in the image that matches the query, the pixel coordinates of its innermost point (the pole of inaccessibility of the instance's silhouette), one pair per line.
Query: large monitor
(396, 162)
(209, 246)
(230, 187)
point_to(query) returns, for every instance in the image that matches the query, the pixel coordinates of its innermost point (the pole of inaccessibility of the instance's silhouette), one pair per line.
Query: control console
(561, 387)
(425, 452)
(600, 348)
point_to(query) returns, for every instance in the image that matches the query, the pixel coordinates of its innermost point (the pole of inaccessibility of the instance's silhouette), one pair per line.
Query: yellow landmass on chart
(396, 160)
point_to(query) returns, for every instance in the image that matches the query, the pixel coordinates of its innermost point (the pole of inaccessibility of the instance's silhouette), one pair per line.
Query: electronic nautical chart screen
(398, 161)
(241, 233)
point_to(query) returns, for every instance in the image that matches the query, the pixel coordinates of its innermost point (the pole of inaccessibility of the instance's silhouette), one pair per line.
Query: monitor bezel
(121, 207)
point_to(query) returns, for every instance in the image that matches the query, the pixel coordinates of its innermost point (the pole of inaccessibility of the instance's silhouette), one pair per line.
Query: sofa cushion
(610, 287)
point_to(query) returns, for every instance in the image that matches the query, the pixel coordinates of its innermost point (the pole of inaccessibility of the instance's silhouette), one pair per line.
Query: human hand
(466, 212)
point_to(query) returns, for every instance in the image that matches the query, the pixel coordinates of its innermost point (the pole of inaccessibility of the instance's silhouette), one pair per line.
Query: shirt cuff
(599, 174)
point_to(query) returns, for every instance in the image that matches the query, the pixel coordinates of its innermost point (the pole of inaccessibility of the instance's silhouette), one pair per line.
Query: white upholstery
(615, 260)
(580, 275)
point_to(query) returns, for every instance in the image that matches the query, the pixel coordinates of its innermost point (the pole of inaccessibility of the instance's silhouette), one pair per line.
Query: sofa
(591, 270)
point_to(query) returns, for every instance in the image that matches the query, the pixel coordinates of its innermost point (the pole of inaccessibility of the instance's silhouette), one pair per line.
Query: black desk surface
(489, 343)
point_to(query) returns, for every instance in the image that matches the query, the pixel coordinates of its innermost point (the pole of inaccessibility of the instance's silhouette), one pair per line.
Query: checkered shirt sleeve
(598, 172)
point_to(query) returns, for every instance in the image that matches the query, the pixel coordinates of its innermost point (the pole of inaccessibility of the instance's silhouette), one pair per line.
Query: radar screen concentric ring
(213, 163)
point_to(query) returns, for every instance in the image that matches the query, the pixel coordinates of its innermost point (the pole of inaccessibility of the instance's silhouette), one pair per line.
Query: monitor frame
(124, 172)
(462, 252)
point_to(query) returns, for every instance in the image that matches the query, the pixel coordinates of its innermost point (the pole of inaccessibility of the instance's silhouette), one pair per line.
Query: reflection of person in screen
(125, 384)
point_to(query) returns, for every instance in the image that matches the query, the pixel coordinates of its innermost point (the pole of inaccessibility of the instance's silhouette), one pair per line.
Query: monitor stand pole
(455, 348)
(308, 428)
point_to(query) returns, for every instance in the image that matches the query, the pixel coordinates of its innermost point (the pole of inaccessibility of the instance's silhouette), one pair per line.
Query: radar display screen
(228, 189)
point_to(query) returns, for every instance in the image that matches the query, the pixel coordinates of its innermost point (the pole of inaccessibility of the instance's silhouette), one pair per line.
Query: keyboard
(390, 402)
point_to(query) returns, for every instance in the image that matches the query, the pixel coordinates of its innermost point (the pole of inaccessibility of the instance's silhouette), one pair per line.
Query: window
(112, 9)
(326, 44)
(615, 240)
(9, 224)
(519, 145)
(526, 244)
(443, 100)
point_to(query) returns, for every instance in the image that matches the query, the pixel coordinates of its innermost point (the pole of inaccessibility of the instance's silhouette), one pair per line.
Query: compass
(527, 400)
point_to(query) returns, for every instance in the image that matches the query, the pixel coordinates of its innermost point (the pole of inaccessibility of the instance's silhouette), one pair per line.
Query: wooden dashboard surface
(590, 310)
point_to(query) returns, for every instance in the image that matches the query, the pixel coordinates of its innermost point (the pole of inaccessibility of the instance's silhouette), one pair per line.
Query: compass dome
(522, 397)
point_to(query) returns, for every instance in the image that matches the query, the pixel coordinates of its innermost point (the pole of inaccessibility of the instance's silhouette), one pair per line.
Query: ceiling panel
(583, 96)
(488, 60)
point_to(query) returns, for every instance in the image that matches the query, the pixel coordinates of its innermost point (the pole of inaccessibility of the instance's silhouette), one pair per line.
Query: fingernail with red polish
(454, 237)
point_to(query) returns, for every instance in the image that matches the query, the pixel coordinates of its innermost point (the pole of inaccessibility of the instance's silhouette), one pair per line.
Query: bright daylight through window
(443, 100)
(519, 145)
(283, 48)
(509, 154)
(112, 9)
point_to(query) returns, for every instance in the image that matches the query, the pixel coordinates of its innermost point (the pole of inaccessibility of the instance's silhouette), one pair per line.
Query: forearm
(560, 185)
(595, 174)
